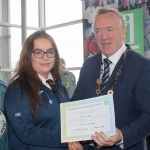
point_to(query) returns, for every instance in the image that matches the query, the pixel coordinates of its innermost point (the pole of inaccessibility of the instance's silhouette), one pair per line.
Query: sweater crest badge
(3, 124)
(63, 95)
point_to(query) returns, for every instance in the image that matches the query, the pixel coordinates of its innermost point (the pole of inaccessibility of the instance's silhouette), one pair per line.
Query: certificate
(81, 119)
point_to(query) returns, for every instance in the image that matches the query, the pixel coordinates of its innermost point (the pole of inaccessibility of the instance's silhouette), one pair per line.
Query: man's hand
(75, 146)
(102, 140)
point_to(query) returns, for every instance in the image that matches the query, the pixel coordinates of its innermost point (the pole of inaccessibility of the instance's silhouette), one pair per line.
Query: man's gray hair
(105, 10)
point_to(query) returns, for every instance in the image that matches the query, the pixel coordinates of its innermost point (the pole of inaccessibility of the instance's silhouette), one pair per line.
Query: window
(15, 46)
(61, 11)
(32, 13)
(69, 41)
(15, 11)
(62, 21)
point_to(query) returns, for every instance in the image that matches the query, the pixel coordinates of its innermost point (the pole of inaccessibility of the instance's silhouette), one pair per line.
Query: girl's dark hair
(27, 77)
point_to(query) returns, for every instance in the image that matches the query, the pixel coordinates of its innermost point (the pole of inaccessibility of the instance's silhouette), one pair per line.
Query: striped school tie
(52, 85)
(105, 76)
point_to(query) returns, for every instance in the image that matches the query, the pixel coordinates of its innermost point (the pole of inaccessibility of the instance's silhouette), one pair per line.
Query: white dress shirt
(114, 59)
(44, 80)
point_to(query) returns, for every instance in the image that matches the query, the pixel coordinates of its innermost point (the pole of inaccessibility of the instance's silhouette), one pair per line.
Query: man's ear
(123, 33)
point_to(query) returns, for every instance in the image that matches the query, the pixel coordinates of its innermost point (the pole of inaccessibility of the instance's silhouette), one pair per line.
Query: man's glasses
(39, 54)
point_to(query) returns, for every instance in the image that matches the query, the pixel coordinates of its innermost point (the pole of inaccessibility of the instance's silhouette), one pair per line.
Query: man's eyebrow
(97, 29)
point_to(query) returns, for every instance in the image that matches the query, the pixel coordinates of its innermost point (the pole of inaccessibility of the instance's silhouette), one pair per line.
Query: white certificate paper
(81, 119)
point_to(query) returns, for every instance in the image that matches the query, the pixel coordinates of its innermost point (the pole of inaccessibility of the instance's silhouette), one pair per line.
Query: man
(148, 6)
(112, 4)
(89, 12)
(129, 81)
(131, 4)
(147, 39)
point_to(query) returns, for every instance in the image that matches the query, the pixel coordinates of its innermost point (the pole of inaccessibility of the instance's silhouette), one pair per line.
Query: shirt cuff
(121, 143)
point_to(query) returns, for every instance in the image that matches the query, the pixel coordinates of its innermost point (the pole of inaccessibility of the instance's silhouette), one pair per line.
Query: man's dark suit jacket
(131, 96)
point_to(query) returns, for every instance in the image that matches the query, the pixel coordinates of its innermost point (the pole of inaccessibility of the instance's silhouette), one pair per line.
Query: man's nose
(104, 35)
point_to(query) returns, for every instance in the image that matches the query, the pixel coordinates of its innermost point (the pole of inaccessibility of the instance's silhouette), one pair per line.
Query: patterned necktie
(105, 76)
(52, 85)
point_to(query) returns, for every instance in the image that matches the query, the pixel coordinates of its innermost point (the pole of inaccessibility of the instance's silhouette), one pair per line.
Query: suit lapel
(96, 71)
(97, 66)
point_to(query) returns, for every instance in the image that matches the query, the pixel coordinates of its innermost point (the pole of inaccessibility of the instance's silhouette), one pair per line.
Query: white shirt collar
(115, 57)
(44, 80)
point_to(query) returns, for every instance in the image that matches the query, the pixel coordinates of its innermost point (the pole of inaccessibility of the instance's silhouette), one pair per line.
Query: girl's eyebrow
(50, 49)
(38, 49)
